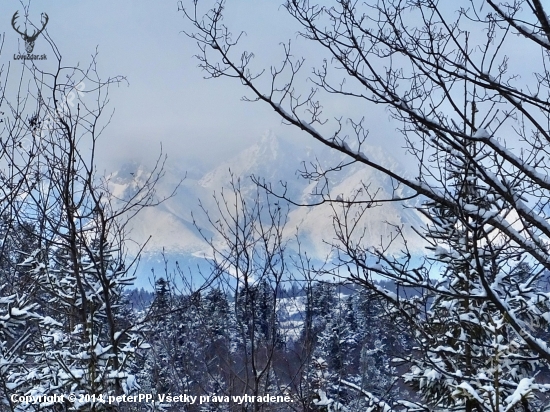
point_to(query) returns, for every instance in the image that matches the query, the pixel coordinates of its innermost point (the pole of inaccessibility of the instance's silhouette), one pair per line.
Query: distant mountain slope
(274, 159)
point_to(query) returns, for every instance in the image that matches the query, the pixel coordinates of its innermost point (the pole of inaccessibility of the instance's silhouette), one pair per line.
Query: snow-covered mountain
(171, 227)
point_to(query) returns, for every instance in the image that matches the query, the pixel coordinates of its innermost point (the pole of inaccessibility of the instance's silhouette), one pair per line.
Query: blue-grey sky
(167, 100)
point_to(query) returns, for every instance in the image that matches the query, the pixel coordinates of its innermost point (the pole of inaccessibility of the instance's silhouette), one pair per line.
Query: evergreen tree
(472, 357)
(162, 301)
(216, 312)
(85, 345)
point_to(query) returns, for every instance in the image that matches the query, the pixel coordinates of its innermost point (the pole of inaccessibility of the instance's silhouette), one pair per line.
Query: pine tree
(162, 301)
(216, 312)
(82, 346)
(383, 341)
(17, 313)
(472, 357)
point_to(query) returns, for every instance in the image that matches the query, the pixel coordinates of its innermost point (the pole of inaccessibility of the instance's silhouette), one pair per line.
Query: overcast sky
(167, 100)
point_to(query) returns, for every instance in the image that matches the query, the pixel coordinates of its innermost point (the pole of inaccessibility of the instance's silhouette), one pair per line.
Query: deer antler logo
(29, 40)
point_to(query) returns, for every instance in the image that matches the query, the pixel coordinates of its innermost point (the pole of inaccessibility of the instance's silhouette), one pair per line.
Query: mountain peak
(267, 157)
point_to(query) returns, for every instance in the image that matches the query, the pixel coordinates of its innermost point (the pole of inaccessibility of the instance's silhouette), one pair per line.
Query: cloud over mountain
(275, 159)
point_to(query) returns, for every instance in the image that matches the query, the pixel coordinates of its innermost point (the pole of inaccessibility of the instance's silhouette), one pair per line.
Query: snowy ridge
(274, 159)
